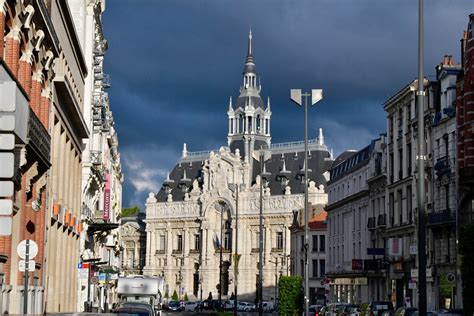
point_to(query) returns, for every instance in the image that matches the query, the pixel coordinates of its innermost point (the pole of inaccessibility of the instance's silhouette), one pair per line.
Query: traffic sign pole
(27, 272)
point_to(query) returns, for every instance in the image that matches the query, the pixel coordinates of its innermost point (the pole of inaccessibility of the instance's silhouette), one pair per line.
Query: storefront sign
(357, 264)
(395, 246)
(349, 281)
(106, 215)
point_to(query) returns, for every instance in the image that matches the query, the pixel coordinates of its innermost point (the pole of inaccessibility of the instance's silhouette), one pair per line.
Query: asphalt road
(208, 313)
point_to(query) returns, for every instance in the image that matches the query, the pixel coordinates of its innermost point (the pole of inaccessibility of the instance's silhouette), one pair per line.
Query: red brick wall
(465, 105)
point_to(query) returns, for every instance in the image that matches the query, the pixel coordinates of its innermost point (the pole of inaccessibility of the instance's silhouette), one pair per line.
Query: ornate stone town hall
(194, 213)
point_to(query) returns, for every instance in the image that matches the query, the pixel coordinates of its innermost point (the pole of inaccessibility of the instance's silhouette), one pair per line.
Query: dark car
(377, 308)
(406, 311)
(134, 310)
(175, 306)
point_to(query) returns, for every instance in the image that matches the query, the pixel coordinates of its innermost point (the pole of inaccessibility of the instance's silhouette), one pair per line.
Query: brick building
(42, 74)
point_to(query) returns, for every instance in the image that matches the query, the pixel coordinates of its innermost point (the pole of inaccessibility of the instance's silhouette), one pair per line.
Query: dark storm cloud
(175, 63)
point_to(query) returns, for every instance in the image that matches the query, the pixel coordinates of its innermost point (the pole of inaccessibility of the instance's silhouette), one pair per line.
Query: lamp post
(262, 155)
(235, 188)
(296, 96)
(220, 258)
(421, 170)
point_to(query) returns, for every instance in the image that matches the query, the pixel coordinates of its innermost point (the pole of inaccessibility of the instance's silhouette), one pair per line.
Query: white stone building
(401, 193)
(102, 176)
(317, 233)
(195, 212)
(441, 241)
(355, 276)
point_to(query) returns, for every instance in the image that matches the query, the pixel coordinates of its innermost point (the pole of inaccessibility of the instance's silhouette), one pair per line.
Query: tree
(174, 297)
(186, 297)
(130, 211)
(291, 295)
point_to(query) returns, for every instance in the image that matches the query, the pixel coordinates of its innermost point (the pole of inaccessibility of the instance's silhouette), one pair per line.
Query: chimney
(463, 48)
(445, 60)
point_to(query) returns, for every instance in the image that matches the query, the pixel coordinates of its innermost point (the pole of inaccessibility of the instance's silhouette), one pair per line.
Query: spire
(249, 62)
(321, 137)
(185, 151)
(249, 51)
(268, 103)
(230, 104)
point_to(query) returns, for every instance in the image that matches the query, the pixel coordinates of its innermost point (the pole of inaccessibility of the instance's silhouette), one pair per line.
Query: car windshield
(174, 304)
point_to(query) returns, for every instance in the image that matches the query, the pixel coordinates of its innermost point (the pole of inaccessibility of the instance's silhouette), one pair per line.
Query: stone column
(148, 246)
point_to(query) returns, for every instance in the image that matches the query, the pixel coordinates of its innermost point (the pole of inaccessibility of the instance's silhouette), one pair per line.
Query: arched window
(241, 124)
(259, 124)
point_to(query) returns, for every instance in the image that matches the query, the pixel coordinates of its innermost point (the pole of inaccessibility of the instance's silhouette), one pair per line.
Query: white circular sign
(21, 249)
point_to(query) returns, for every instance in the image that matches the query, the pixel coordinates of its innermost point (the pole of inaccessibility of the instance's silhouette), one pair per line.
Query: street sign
(22, 266)
(21, 249)
(375, 251)
(413, 250)
(94, 279)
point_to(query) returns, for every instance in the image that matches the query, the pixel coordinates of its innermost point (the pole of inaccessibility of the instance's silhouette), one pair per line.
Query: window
(322, 243)
(409, 204)
(302, 242)
(315, 268)
(315, 243)
(197, 242)
(179, 242)
(162, 244)
(227, 240)
(279, 240)
(257, 239)
(322, 268)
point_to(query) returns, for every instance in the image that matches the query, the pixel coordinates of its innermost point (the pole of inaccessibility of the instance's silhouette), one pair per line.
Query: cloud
(174, 70)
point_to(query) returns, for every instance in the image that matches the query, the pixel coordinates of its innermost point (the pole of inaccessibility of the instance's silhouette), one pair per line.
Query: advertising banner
(106, 215)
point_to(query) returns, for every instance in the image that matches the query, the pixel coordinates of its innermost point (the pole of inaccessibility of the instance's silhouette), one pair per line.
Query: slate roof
(318, 162)
(350, 161)
(243, 100)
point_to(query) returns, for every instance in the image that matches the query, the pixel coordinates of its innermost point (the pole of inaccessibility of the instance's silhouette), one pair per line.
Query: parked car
(138, 310)
(245, 306)
(191, 306)
(175, 306)
(315, 310)
(351, 310)
(377, 308)
(334, 309)
(229, 305)
(405, 311)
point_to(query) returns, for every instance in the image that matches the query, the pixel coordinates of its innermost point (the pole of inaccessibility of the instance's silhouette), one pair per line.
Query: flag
(217, 242)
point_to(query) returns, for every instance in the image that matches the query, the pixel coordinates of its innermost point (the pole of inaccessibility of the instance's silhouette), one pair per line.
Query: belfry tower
(249, 119)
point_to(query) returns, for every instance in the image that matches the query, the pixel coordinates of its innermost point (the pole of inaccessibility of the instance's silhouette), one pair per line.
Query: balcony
(39, 138)
(371, 223)
(442, 166)
(441, 218)
(382, 221)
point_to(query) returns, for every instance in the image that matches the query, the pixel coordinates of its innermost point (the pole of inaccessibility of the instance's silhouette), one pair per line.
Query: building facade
(133, 243)
(317, 232)
(28, 51)
(68, 128)
(355, 277)
(441, 221)
(465, 140)
(192, 222)
(101, 171)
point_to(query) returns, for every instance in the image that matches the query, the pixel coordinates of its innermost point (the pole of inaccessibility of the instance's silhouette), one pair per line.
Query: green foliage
(364, 308)
(130, 211)
(291, 295)
(186, 297)
(174, 297)
(466, 238)
(167, 295)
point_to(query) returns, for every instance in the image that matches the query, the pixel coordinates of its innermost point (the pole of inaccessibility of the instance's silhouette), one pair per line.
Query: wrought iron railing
(39, 137)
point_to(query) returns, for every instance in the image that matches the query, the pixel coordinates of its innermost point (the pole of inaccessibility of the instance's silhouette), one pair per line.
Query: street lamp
(235, 188)
(262, 155)
(421, 170)
(296, 96)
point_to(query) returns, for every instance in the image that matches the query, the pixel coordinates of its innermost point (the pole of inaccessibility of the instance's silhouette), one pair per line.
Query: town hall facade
(192, 227)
